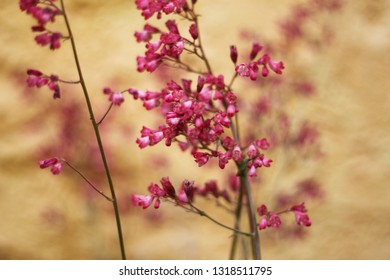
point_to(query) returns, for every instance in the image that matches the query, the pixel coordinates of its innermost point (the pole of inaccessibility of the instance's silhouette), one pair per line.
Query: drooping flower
(55, 165)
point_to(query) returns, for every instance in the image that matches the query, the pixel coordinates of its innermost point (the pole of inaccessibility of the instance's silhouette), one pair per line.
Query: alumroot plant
(200, 116)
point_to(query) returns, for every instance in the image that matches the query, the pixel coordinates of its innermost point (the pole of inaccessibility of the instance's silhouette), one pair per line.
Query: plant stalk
(97, 134)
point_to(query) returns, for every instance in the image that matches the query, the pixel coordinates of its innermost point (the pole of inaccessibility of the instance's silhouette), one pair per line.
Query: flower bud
(233, 54)
(188, 189)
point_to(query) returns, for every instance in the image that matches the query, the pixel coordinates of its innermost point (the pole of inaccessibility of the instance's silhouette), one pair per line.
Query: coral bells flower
(233, 54)
(54, 163)
(115, 97)
(194, 31)
(276, 66)
(42, 14)
(52, 39)
(151, 7)
(252, 68)
(38, 79)
(146, 34)
(301, 216)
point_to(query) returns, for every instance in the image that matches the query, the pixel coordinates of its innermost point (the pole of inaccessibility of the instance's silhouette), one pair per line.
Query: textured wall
(47, 217)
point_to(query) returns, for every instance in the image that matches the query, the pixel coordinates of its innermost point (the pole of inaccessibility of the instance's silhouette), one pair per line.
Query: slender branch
(68, 82)
(105, 115)
(237, 222)
(203, 54)
(204, 214)
(85, 179)
(255, 238)
(97, 133)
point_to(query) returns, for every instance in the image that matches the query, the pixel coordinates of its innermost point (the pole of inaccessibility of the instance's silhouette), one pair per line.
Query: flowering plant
(200, 111)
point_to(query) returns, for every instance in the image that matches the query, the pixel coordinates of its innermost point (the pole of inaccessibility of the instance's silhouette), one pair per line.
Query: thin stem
(105, 115)
(233, 247)
(255, 238)
(204, 214)
(97, 134)
(203, 54)
(85, 179)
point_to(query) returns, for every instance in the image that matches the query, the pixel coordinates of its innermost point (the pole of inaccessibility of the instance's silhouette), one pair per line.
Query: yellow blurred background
(57, 217)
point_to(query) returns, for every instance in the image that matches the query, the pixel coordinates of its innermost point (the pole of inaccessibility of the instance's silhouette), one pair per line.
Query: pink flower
(233, 54)
(188, 188)
(201, 158)
(237, 154)
(38, 79)
(116, 98)
(256, 48)
(194, 31)
(262, 210)
(242, 70)
(142, 200)
(252, 151)
(252, 171)
(54, 163)
(168, 188)
(276, 66)
(262, 144)
(52, 39)
(301, 216)
(263, 223)
(146, 34)
(274, 221)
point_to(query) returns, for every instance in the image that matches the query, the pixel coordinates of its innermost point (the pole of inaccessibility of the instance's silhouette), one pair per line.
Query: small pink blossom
(142, 200)
(237, 154)
(256, 48)
(242, 70)
(54, 163)
(233, 54)
(146, 34)
(52, 39)
(274, 221)
(301, 216)
(194, 31)
(252, 171)
(38, 79)
(262, 210)
(263, 223)
(263, 144)
(252, 151)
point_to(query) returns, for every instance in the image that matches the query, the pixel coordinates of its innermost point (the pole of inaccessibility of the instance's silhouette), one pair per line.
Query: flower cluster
(151, 7)
(170, 46)
(38, 79)
(185, 195)
(251, 69)
(44, 12)
(116, 98)
(270, 219)
(55, 165)
(198, 119)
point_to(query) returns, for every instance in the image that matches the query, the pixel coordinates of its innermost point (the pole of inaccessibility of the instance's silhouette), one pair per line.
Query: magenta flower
(142, 200)
(48, 38)
(54, 163)
(38, 79)
(233, 54)
(116, 98)
(301, 216)
(194, 31)
(146, 34)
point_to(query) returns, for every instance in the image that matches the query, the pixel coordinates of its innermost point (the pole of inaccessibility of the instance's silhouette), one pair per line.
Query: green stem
(233, 247)
(97, 134)
(85, 179)
(204, 214)
(255, 238)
